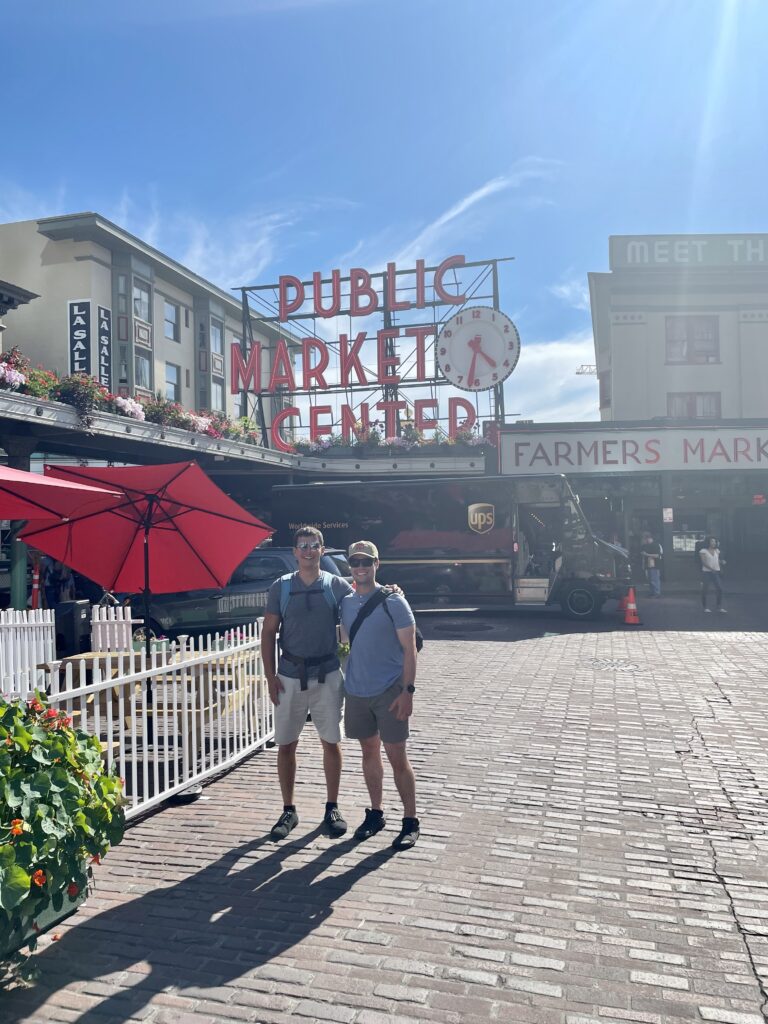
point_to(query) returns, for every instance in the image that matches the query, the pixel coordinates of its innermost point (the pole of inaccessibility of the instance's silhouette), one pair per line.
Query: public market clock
(478, 348)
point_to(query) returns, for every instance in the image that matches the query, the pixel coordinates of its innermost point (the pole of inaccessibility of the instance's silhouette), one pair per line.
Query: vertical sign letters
(80, 336)
(105, 346)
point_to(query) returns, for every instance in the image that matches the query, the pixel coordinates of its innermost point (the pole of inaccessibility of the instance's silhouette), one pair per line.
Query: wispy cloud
(433, 237)
(17, 203)
(573, 292)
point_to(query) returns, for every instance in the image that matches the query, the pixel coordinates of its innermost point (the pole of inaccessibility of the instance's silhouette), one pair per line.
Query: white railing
(171, 720)
(112, 628)
(27, 643)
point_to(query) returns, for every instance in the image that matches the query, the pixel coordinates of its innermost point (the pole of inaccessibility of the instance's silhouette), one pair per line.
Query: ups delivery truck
(516, 541)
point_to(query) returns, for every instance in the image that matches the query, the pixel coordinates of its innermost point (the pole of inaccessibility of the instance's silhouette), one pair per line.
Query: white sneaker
(722, 611)
(707, 611)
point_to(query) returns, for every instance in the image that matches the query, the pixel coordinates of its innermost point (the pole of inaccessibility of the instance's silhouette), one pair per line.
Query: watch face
(478, 348)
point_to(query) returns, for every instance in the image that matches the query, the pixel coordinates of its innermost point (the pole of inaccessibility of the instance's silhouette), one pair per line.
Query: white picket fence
(112, 628)
(169, 721)
(27, 642)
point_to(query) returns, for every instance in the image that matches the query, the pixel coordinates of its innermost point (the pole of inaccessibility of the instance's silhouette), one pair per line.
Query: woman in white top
(710, 573)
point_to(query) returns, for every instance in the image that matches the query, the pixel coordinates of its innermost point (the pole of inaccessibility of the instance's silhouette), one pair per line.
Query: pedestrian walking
(304, 608)
(652, 553)
(711, 563)
(379, 688)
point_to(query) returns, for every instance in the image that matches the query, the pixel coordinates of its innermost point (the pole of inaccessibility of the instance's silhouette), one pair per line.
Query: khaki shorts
(366, 716)
(324, 702)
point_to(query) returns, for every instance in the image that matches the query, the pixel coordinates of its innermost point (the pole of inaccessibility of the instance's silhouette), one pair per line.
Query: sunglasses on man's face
(309, 545)
(361, 563)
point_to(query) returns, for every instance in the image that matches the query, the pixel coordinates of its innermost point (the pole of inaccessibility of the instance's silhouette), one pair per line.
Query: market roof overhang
(52, 428)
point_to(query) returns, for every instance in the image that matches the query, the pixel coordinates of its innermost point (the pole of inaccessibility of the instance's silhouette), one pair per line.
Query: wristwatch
(408, 689)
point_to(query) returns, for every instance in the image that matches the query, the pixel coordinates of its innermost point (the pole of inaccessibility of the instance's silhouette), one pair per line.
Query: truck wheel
(580, 601)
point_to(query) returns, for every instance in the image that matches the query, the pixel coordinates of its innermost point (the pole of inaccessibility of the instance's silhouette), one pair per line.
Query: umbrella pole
(147, 640)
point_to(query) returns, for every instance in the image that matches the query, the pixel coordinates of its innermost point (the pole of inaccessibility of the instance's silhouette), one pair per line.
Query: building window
(217, 396)
(141, 305)
(694, 405)
(693, 339)
(604, 381)
(171, 321)
(217, 336)
(143, 371)
(172, 382)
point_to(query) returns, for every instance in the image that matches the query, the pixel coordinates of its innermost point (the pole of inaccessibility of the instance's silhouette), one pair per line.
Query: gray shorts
(366, 716)
(323, 701)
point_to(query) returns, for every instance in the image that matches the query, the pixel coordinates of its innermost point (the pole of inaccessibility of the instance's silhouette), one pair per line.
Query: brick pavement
(594, 851)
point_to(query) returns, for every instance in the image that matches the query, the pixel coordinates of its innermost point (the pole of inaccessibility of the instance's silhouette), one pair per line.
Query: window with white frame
(143, 371)
(693, 339)
(693, 405)
(142, 306)
(171, 321)
(172, 382)
(217, 396)
(217, 336)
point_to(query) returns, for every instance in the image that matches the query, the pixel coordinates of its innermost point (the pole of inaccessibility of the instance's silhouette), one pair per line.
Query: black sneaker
(286, 823)
(408, 835)
(334, 822)
(374, 822)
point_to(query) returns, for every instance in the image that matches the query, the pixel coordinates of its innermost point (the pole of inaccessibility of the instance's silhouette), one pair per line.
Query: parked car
(243, 599)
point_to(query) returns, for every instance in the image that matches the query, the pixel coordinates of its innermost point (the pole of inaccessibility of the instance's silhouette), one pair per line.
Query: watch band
(409, 689)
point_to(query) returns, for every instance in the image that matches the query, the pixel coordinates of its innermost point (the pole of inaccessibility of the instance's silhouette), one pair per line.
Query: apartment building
(681, 327)
(113, 306)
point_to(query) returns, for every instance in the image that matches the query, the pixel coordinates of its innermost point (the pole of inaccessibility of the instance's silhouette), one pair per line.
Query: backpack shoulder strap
(285, 591)
(326, 581)
(370, 605)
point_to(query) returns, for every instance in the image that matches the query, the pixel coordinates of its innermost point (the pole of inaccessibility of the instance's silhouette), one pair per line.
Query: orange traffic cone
(631, 617)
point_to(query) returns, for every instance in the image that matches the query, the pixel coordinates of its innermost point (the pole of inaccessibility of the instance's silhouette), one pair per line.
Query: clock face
(478, 348)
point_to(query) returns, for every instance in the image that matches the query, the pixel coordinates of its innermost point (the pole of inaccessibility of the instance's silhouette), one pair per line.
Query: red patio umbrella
(33, 496)
(173, 529)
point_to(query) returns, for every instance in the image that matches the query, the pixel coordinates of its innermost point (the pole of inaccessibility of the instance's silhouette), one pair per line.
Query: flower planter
(57, 910)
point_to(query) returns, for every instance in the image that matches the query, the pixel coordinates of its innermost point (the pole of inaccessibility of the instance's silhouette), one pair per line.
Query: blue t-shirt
(308, 628)
(376, 659)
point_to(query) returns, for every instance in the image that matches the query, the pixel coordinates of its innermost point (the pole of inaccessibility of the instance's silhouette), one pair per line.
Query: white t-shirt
(710, 560)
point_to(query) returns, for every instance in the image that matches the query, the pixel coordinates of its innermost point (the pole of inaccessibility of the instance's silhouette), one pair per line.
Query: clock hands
(474, 344)
(471, 374)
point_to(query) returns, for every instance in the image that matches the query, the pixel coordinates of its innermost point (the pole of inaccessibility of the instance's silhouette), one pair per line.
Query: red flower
(17, 826)
(50, 713)
(39, 878)
(72, 890)
(96, 859)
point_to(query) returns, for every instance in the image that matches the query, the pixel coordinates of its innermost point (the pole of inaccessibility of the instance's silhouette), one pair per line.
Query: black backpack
(380, 598)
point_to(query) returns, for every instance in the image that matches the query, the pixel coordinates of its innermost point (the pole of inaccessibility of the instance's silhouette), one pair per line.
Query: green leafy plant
(60, 809)
(170, 414)
(84, 394)
(41, 383)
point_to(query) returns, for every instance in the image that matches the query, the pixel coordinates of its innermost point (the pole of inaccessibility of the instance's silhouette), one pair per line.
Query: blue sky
(252, 138)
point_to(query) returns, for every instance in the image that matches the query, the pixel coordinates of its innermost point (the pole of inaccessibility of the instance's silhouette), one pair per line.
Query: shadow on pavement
(245, 917)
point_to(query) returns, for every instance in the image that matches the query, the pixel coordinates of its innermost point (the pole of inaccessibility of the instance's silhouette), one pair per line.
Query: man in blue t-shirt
(379, 687)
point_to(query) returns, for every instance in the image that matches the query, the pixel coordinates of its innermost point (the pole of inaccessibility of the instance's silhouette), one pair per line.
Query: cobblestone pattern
(595, 851)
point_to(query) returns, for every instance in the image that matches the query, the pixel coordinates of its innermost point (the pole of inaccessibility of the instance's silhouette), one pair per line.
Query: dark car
(242, 600)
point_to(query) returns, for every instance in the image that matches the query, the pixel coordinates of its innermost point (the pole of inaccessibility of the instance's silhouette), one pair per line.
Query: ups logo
(481, 517)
